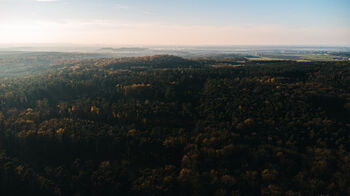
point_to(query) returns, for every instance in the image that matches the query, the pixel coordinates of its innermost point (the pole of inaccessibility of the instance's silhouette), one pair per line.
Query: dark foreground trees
(261, 129)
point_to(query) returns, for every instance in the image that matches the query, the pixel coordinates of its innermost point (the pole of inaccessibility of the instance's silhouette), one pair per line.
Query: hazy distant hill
(126, 49)
(14, 63)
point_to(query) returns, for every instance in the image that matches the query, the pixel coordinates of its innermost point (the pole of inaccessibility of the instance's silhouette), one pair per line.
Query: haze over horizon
(156, 22)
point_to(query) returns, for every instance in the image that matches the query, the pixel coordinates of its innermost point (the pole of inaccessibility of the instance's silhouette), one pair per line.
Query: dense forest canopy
(165, 125)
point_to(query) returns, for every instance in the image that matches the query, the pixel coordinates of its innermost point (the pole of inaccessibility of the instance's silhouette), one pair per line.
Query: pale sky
(176, 22)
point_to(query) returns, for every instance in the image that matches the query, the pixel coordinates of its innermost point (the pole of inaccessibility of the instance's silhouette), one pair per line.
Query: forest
(165, 125)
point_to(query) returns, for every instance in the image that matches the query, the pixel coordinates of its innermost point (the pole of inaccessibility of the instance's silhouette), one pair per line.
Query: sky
(175, 22)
